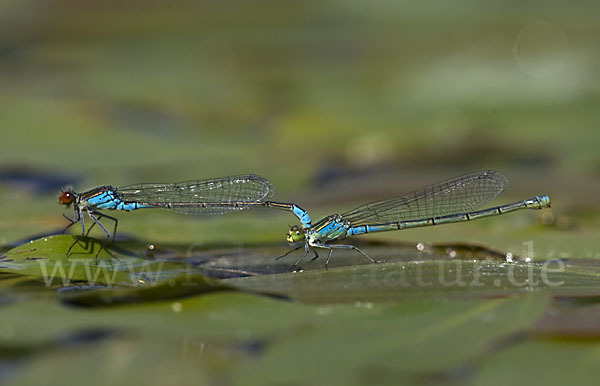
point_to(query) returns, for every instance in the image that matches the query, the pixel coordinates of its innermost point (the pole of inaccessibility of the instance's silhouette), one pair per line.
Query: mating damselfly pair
(452, 200)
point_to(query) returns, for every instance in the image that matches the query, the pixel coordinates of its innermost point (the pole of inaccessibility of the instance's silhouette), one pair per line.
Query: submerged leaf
(178, 287)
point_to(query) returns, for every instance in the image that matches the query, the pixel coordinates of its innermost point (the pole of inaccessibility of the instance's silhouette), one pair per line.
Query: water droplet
(323, 310)
(547, 217)
(541, 49)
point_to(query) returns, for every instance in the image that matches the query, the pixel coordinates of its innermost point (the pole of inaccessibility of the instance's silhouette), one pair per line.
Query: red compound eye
(66, 198)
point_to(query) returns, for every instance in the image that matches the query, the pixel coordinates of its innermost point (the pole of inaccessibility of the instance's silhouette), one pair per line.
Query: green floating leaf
(110, 280)
(422, 279)
(44, 260)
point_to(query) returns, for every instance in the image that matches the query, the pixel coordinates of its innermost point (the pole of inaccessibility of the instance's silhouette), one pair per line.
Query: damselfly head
(67, 196)
(295, 234)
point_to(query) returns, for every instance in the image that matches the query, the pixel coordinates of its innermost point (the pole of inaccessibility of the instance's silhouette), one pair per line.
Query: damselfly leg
(95, 216)
(306, 249)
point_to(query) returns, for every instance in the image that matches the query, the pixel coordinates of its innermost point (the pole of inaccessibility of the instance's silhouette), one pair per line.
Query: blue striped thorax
(328, 229)
(103, 197)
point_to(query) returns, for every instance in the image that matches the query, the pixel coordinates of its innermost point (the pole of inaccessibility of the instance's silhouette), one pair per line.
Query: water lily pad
(44, 260)
(397, 281)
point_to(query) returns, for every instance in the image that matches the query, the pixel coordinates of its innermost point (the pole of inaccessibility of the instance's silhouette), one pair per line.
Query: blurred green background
(333, 101)
(336, 102)
(315, 96)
